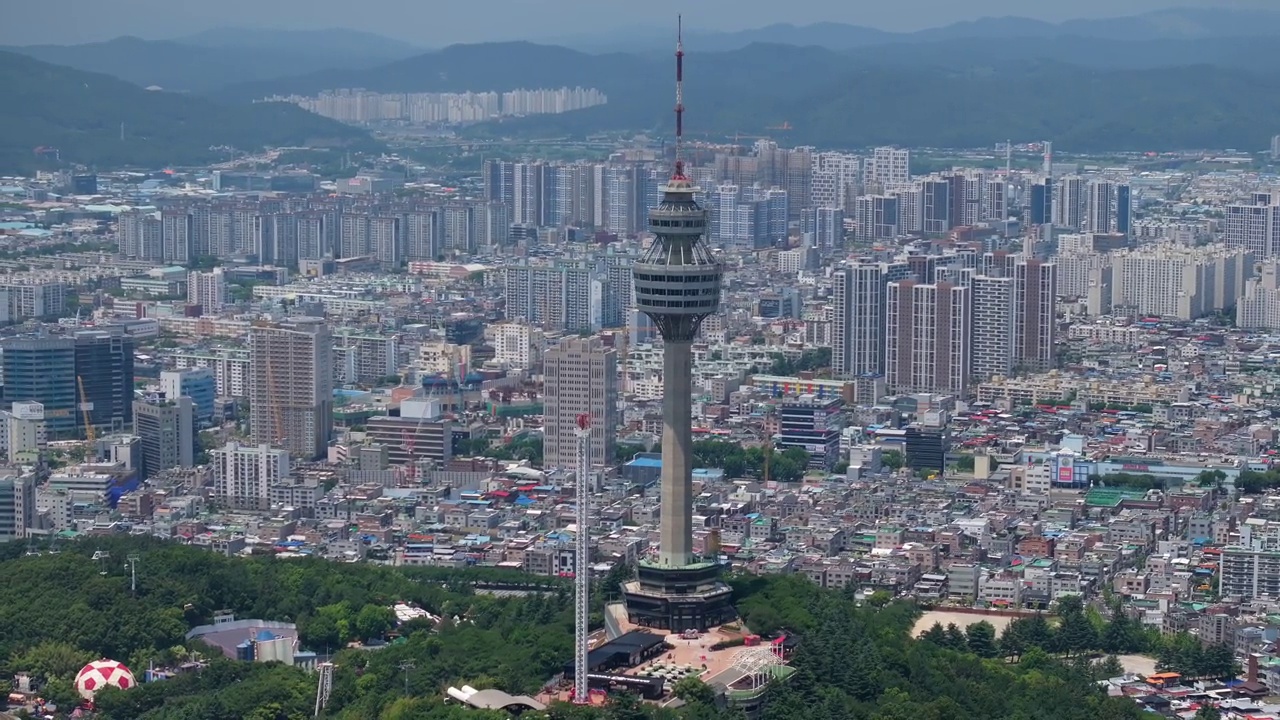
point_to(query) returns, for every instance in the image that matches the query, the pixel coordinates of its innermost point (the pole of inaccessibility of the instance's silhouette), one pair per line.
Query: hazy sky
(440, 22)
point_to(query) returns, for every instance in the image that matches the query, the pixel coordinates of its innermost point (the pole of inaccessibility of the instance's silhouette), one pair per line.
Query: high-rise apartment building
(581, 379)
(936, 206)
(858, 322)
(876, 217)
(364, 357)
(291, 386)
(1035, 307)
(837, 179)
(1179, 282)
(1260, 305)
(22, 299)
(1101, 198)
(828, 232)
(992, 326)
(423, 234)
(141, 235)
(166, 427)
(517, 345)
(1041, 205)
(556, 298)
(928, 331)
(1069, 205)
(460, 228)
(1254, 228)
(207, 289)
(888, 166)
(243, 475)
(1124, 210)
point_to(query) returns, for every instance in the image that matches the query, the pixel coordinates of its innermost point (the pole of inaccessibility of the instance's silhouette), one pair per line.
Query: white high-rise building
(555, 298)
(837, 179)
(27, 435)
(207, 289)
(516, 345)
(1254, 228)
(1260, 306)
(141, 235)
(876, 217)
(1069, 205)
(1101, 198)
(829, 228)
(1180, 282)
(243, 475)
(581, 379)
(888, 165)
(992, 326)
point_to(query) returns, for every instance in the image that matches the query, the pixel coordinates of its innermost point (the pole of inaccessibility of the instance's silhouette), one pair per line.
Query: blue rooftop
(646, 462)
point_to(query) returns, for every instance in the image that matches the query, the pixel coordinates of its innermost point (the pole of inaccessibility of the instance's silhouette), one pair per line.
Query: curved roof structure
(492, 699)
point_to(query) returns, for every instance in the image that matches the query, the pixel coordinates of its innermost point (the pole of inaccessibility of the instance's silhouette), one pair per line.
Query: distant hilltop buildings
(362, 106)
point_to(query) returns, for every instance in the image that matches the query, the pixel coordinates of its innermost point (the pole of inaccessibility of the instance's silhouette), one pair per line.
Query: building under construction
(418, 435)
(291, 386)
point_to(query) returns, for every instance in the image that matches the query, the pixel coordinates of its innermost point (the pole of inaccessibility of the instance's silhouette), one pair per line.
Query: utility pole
(133, 573)
(406, 666)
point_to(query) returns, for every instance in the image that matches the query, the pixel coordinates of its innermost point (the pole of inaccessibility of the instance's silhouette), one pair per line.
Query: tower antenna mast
(679, 95)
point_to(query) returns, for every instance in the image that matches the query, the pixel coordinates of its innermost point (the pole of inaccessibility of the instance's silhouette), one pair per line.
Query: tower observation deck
(677, 284)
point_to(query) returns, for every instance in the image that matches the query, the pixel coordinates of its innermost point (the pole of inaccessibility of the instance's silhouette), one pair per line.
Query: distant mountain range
(98, 120)
(1171, 80)
(853, 99)
(1172, 24)
(215, 58)
(336, 42)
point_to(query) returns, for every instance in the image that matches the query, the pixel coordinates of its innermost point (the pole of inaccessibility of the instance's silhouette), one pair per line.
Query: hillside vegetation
(80, 114)
(856, 661)
(843, 100)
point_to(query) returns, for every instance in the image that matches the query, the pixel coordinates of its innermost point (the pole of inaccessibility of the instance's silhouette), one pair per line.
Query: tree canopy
(855, 659)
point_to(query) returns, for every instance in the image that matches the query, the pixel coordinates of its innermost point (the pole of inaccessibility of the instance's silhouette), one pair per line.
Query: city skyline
(498, 20)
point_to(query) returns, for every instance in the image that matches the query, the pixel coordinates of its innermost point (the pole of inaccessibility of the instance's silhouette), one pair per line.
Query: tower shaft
(676, 523)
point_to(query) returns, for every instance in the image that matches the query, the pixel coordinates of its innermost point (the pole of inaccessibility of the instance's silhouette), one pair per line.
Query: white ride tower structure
(582, 561)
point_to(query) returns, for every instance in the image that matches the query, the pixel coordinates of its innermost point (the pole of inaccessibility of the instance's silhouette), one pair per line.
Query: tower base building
(692, 597)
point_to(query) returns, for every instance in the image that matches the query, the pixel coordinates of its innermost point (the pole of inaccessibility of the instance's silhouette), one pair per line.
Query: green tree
(982, 639)
(691, 689)
(51, 659)
(892, 459)
(374, 621)
(1110, 667)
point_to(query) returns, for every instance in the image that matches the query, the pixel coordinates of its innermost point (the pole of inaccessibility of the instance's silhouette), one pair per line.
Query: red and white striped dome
(101, 673)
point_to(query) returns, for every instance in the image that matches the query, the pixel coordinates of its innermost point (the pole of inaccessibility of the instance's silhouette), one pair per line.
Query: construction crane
(582, 569)
(86, 407)
(768, 453)
(276, 416)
